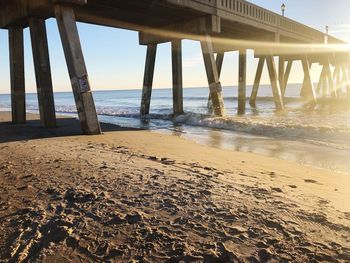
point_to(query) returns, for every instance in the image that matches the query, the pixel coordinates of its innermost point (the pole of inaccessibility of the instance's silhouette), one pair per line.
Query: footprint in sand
(277, 189)
(323, 202)
(310, 181)
(167, 161)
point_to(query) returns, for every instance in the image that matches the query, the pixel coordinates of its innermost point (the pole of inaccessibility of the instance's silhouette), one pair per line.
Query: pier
(220, 25)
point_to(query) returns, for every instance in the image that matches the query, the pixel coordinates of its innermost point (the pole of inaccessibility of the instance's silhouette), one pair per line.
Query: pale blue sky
(116, 61)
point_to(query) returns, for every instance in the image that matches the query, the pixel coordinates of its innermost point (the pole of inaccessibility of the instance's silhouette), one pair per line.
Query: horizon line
(163, 88)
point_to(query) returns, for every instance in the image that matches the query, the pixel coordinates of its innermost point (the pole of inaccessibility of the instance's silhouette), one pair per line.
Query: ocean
(320, 138)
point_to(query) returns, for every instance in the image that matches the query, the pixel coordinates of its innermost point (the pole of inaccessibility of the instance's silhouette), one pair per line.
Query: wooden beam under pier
(193, 29)
(16, 52)
(71, 2)
(42, 72)
(148, 79)
(77, 69)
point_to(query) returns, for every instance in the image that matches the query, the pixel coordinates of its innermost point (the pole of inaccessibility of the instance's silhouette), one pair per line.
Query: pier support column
(337, 78)
(252, 100)
(346, 80)
(16, 52)
(219, 62)
(281, 72)
(276, 90)
(347, 69)
(42, 72)
(213, 76)
(330, 79)
(304, 89)
(309, 86)
(176, 51)
(286, 77)
(77, 69)
(322, 84)
(148, 79)
(242, 81)
(326, 85)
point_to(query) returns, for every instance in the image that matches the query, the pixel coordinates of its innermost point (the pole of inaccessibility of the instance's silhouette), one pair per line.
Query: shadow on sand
(10, 132)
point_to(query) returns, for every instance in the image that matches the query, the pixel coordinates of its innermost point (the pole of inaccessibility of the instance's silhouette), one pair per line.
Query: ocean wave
(293, 127)
(226, 98)
(114, 112)
(321, 135)
(316, 129)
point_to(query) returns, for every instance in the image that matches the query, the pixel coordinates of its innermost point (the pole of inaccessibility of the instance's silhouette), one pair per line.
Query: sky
(115, 60)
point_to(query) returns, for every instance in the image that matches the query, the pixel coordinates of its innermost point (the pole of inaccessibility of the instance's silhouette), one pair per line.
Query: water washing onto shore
(327, 129)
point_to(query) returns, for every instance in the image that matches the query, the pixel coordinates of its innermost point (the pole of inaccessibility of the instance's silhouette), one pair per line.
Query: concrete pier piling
(176, 51)
(148, 79)
(346, 79)
(257, 80)
(42, 72)
(286, 77)
(308, 84)
(17, 74)
(322, 83)
(65, 17)
(219, 62)
(277, 95)
(281, 72)
(242, 81)
(215, 88)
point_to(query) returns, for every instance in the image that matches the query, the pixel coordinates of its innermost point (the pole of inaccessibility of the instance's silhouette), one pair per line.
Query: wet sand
(137, 196)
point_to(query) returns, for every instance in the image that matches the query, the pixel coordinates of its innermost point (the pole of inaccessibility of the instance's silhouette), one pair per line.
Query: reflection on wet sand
(298, 151)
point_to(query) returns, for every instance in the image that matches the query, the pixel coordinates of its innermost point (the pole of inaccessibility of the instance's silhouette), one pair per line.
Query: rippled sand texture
(136, 196)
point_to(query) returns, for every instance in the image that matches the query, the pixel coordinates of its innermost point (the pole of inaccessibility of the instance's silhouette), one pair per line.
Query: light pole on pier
(283, 8)
(327, 32)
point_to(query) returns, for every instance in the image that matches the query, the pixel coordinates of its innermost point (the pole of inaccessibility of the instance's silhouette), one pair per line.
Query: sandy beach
(136, 196)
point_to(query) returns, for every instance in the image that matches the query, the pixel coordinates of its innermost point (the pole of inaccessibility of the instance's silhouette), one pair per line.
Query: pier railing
(259, 17)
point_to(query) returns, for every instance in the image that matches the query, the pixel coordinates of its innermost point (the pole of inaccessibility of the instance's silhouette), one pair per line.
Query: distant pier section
(219, 25)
